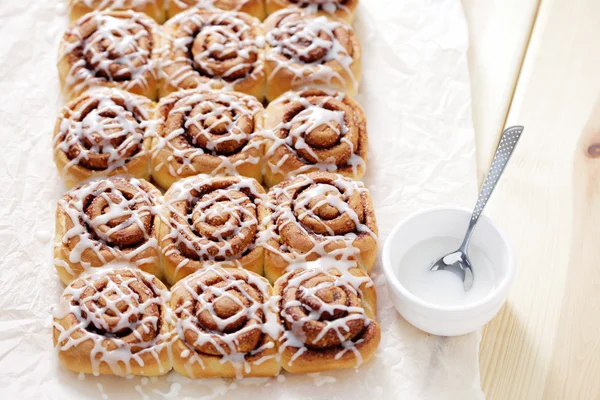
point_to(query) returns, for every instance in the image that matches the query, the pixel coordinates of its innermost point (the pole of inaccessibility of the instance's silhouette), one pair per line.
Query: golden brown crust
(90, 340)
(319, 361)
(256, 8)
(208, 220)
(343, 10)
(333, 61)
(81, 247)
(111, 119)
(93, 53)
(314, 130)
(294, 234)
(207, 132)
(346, 296)
(206, 346)
(189, 60)
(153, 8)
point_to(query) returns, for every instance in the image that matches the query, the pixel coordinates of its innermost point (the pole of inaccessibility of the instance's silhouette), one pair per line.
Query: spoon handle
(505, 149)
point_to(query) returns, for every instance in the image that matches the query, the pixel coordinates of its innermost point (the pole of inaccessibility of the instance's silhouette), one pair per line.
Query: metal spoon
(458, 261)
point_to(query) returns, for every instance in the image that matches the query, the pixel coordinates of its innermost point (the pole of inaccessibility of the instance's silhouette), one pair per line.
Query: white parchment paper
(416, 95)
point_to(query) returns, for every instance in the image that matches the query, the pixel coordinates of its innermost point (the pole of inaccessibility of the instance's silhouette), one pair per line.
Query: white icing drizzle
(310, 48)
(212, 49)
(110, 48)
(330, 7)
(104, 130)
(211, 219)
(118, 316)
(107, 220)
(324, 213)
(111, 4)
(228, 314)
(210, 132)
(321, 308)
(229, 5)
(315, 130)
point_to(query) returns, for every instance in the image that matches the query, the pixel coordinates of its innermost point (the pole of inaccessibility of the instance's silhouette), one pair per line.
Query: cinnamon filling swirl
(103, 130)
(221, 312)
(114, 322)
(119, 217)
(212, 219)
(115, 46)
(315, 130)
(112, 219)
(213, 48)
(310, 40)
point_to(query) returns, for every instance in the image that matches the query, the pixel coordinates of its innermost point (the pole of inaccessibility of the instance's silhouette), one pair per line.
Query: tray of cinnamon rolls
(215, 223)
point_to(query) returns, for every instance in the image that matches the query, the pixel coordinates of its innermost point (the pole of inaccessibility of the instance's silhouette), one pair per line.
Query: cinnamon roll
(343, 10)
(207, 132)
(256, 8)
(328, 319)
(206, 220)
(104, 132)
(314, 130)
(113, 219)
(114, 322)
(213, 49)
(153, 8)
(317, 215)
(224, 325)
(304, 50)
(110, 49)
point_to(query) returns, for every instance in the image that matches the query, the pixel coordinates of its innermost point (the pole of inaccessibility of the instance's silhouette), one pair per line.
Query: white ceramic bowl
(448, 222)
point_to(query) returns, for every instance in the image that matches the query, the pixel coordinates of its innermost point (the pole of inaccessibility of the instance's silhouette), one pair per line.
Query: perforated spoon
(458, 261)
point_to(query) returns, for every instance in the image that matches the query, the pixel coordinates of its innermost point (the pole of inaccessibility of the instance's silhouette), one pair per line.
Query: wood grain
(576, 353)
(545, 343)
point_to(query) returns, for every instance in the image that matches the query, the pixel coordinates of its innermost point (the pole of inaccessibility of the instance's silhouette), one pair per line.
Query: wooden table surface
(537, 63)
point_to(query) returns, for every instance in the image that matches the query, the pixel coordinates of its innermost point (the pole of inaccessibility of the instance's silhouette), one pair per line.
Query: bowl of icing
(435, 301)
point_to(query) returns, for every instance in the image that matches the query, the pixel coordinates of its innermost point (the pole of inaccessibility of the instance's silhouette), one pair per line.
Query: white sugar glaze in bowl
(433, 301)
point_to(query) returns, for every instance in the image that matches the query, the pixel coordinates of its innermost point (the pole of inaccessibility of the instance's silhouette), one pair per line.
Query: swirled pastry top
(319, 214)
(213, 49)
(103, 130)
(225, 313)
(115, 319)
(110, 48)
(327, 316)
(315, 129)
(207, 131)
(109, 219)
(307, 50)
(211, 218)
